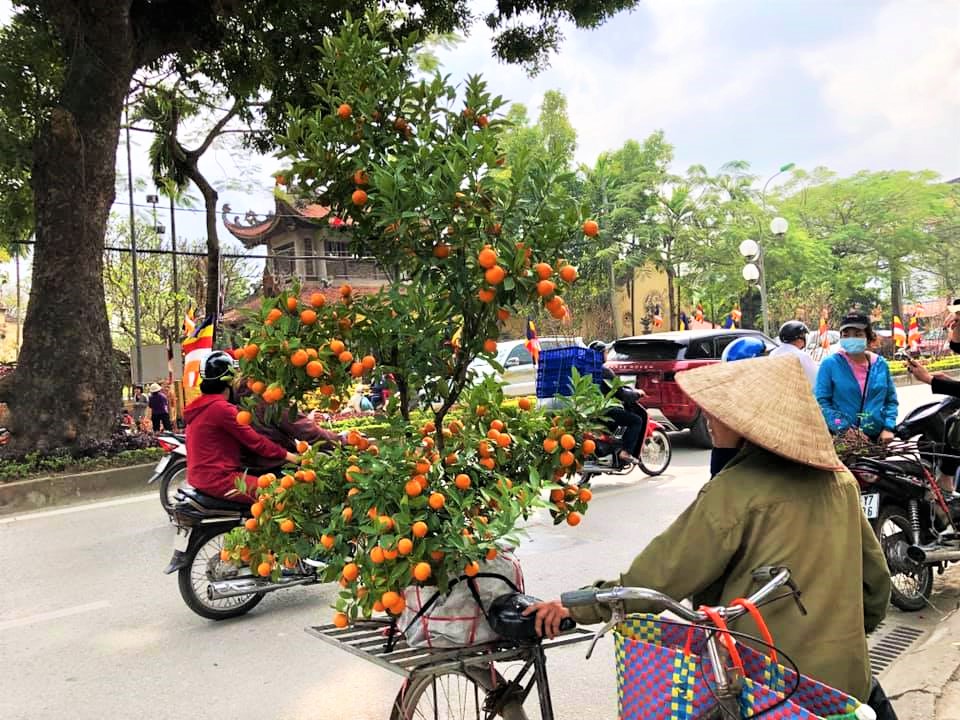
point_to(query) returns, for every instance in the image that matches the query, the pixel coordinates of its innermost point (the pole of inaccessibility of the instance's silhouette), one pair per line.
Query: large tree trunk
(210, 197)
(66, 389)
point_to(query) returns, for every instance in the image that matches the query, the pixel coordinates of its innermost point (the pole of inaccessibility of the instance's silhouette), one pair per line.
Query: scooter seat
(211, 502)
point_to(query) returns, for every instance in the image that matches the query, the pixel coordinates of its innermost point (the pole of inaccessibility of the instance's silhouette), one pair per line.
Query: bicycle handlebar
(774, 577)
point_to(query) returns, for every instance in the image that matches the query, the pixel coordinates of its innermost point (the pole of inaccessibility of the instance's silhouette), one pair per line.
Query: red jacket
(215, 441)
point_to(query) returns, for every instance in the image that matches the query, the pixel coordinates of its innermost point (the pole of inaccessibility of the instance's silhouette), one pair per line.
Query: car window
(645, 350)
(706, 349)
(522, 354)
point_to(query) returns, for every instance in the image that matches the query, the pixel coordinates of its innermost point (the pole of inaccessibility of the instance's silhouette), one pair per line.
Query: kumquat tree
(415, 167)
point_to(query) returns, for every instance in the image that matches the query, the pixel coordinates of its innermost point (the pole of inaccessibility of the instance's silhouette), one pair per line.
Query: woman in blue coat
(854, 386)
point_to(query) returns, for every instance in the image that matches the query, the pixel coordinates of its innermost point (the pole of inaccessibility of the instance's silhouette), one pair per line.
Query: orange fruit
(343, 112)
(419, 529)
(504, 440)
(420, 480)
(376, 555)
(250, 351)
(258, 386)
(462, 481)
(543, 270)
(488, 462)
(490, 345)
(356, 369)
(524, 403)
(486, 295)
(546, 287)
(353, 491)
(350, 572)
(347, 514)
(589, 447)
(412, 488)
(568, 273)
(491, 553)
(422, 467)
(450, 459)
(386, 523)
(484, 450)
(436, 501)
(309, 476)
(327, 541)
(244, 417)
(390, 553)
(287, 482)
(345, 289)
(360, 178)
(263, 569)
(256, 509)
(287, 526)
(566, 458)
(481, 410)
(299, 358)
(292, 303)
(495, 275)
(441, 251)
(550, 445)
(390, 598)
(422, 571)
(497, 425)
(327, 390)
(567, 442)
(590, 228)
(573, 519)
(369, 362)
(345, 357)
(585, 495)
(340, 620)
(224, 555)
(471, 568)
(493, 434)
(274, 315)
(503, 314)
(266, 480)
(556, 495)
(318, 300)
(359, 198)
(251, 524)
(487, 258)
(404, 546)
(308, 317)
(314, 368)
(378, 606)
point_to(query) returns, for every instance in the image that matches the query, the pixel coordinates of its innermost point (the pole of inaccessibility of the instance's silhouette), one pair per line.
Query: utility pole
(176, 282)
(133, 258)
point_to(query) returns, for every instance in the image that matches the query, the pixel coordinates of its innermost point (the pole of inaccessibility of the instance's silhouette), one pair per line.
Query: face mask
(853, 345)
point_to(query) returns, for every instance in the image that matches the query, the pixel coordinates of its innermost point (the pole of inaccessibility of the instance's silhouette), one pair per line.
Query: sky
(850, 84)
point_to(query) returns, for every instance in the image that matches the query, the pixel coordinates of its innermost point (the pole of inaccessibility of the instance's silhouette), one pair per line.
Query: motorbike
(653, 451)
(916, 525)
(171, 470)
(212, 588)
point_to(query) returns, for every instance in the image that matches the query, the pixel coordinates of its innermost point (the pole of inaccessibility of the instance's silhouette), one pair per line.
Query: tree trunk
(670, 295)
(896, 298)
(617, 321)
(210, 197)
(66, 388)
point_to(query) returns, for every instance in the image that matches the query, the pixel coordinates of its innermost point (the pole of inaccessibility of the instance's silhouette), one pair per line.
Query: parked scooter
(653, 452)
(212, 588)
(917, 527)
(171, 470)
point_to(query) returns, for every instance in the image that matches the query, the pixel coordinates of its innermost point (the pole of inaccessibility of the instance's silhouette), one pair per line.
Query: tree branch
(215, 131)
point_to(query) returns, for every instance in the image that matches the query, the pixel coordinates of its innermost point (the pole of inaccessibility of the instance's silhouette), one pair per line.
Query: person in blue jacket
(854, 387)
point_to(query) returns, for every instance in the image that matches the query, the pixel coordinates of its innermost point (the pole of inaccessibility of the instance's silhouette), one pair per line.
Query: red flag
(914, 337)
(899, 335)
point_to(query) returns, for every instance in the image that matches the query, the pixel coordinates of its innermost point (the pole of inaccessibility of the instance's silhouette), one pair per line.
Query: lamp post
(753, 272)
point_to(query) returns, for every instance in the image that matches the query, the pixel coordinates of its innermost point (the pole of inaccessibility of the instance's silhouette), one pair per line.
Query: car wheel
(700, 434)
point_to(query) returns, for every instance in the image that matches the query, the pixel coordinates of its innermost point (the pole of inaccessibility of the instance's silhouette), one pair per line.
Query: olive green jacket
(765, 510)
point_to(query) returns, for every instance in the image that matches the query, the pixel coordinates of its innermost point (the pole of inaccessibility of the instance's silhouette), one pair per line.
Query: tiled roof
(259, 233)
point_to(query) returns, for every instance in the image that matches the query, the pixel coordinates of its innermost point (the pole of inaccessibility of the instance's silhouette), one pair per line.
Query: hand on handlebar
(549, 616)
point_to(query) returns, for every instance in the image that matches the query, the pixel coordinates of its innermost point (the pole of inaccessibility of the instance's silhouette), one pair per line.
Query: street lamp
(752, 272)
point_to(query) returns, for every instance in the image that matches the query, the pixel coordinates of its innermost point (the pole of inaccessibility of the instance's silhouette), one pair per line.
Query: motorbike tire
(174, 477)
(207, 552)
(649, 467)
(700, 434)
(902, 595)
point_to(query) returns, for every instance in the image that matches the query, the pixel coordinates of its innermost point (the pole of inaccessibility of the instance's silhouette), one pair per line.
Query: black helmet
(793, 330)
(598, 345)
(219, 366)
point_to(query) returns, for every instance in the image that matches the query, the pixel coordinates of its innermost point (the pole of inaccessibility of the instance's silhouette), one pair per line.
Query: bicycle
(459, 683)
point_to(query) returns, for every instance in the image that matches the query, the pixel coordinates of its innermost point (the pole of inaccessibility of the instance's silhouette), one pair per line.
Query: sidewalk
(924, 682)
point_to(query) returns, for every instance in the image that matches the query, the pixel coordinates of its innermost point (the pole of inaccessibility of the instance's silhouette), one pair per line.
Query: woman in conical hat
(784, 499)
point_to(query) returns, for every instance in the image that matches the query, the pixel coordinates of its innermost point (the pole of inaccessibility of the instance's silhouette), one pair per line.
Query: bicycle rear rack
(367, 639)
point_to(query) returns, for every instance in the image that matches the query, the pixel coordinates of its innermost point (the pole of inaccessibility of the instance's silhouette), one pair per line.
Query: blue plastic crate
(555, 369)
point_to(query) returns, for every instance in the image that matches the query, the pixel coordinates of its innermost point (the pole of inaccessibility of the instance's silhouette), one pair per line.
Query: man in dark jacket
(216, 440)
(631, 416)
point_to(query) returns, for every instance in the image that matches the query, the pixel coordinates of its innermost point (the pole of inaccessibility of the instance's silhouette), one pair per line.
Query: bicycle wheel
(454, 695)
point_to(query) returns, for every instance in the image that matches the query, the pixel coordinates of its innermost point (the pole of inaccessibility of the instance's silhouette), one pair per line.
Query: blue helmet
(743, 348)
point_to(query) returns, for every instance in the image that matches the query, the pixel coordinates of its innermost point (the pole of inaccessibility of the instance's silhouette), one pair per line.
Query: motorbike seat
(211, 502)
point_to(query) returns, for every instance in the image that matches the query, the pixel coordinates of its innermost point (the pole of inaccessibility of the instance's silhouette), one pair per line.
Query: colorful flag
(189, 323)
(733, 317)
(918, 310)
(683, 321)
(195, 351)
(914, 337)
(698, 313)
(824, 334)
(899, 335)
(533, 343)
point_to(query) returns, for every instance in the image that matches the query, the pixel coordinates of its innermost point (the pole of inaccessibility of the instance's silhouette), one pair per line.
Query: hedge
(37, 465)
(899, 367)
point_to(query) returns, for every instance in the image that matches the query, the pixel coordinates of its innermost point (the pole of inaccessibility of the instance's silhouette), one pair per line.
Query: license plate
(181, 540)
(164, 461)
(870, 502)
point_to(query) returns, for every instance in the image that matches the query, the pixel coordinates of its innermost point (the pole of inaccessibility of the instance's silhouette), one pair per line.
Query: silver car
(519, 371)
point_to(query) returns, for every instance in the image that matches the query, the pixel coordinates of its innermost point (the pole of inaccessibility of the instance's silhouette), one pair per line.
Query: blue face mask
(853, 345)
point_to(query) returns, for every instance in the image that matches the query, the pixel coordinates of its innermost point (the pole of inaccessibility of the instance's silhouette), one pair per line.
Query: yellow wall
(8, 341)
(649, 288)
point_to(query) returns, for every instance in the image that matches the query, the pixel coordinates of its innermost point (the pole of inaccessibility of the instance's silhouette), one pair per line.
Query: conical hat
(768, 401)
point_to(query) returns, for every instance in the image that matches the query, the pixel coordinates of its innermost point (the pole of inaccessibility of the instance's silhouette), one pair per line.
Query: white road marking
(54, 614)
(78, 508)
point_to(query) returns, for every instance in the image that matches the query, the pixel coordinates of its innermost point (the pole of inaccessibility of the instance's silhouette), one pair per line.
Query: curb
(38, 493)
(907, 379)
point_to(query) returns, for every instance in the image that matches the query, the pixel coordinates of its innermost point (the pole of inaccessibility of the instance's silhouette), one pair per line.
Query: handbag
(663, 673)
(458, 618)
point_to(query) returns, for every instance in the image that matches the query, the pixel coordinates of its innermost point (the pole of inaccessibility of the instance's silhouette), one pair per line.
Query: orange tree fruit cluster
(461, 238)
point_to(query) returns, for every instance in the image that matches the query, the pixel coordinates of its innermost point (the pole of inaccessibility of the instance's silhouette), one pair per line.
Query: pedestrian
(140, 404)
(854, 386)
(953, 324)
(784, 500)
(159, 409)
(793, 341)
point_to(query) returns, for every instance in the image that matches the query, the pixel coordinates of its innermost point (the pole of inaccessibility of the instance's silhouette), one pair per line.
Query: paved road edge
(45, 492)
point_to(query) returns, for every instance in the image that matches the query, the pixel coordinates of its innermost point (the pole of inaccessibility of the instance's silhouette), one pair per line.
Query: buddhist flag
(698, 313)
(918, 310)
(533, 343)
(195, 351)
(189, 323)
(914, 337)
(899, 335)
(824, 335)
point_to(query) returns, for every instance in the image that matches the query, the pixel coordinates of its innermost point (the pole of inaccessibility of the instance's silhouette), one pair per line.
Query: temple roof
(288, 216)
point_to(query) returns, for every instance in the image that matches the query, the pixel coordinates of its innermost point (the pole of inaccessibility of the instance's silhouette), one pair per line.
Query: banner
(195, 350)
(899, 335)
